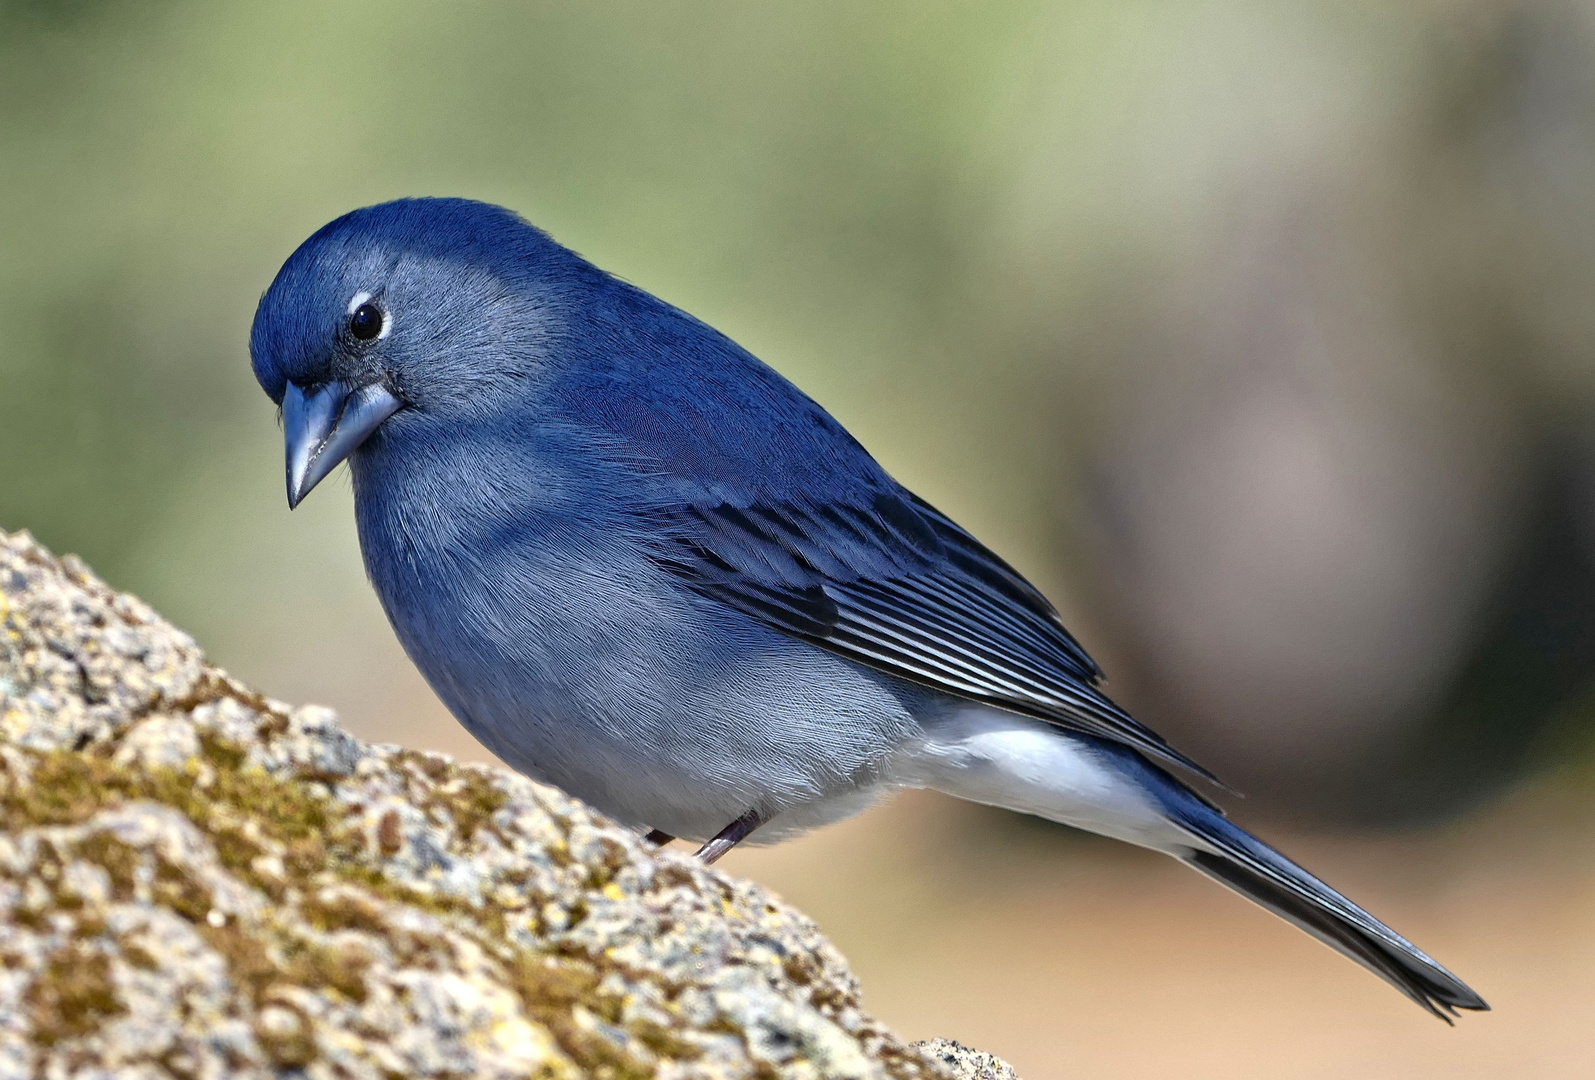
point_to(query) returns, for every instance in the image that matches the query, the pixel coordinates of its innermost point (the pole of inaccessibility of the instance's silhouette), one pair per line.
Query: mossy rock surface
(197, 881)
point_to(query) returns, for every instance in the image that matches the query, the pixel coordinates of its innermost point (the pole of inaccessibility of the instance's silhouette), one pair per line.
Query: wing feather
(896, 585)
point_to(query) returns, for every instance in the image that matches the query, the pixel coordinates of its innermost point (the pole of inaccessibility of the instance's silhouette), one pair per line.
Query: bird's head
(397, 311)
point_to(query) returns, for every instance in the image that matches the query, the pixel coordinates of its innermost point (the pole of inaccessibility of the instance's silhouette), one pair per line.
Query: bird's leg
(658, 838)
(732, 835)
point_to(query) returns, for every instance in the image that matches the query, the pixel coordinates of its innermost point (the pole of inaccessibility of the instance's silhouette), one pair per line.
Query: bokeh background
(1261, 336)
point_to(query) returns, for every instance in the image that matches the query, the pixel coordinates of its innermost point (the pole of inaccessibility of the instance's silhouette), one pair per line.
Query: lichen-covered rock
(966, 1064)
(197, 881)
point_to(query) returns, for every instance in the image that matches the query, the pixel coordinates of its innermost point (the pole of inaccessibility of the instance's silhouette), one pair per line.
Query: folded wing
(888, 581)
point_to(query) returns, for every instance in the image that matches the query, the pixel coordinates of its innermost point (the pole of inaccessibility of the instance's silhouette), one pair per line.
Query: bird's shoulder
(673, 397)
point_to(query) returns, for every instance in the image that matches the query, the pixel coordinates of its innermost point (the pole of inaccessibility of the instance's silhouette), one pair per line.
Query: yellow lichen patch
(177, 889)
(340, 968)
(248, 964)
(344, 909)
(286, 1034)
(461, 796)
(550, 990)
(530, 1046)
(119, 860)
(72, 995)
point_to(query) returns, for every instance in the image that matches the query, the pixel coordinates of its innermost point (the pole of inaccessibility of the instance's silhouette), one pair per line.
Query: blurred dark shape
(1533, 659)
(1337, 514)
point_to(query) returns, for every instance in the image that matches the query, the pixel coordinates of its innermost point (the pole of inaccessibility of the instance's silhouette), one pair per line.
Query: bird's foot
(658, 837)
(732, 835)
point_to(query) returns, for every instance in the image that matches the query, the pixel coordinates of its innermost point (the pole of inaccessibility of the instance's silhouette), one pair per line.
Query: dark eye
(366, 322)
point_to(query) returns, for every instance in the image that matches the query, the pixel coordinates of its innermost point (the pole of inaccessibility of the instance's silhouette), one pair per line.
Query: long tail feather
(1234, 857)
(1001, 759)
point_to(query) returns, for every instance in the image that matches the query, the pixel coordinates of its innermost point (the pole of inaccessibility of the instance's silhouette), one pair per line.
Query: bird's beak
(323, 427)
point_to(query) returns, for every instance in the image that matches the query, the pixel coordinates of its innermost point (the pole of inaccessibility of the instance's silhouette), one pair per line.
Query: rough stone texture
(967, 1064)
(200, 882)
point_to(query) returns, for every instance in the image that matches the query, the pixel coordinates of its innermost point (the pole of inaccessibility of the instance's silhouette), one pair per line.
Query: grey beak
(323, 427)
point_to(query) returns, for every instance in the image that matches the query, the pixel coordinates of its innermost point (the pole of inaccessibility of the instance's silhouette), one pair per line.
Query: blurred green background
(1259, 335)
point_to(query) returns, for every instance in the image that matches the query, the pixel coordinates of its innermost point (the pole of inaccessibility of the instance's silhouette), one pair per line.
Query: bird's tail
(1000, 759)
(1229, 854)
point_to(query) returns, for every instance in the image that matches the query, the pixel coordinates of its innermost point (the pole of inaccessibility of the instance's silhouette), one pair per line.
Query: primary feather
(896, 585)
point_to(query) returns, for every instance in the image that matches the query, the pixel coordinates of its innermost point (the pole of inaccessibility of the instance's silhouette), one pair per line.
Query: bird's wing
(886, 580)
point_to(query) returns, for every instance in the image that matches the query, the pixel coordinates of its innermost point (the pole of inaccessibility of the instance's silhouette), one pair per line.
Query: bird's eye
(366, 322)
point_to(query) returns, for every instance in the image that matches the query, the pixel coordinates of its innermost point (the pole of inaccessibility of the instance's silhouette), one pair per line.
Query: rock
(964, 1063)
(198, 881)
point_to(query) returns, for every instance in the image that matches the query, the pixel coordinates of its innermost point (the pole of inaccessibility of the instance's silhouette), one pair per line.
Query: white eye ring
(387, 316)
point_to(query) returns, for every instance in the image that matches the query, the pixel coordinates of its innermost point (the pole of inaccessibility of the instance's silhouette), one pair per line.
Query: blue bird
(640, 565)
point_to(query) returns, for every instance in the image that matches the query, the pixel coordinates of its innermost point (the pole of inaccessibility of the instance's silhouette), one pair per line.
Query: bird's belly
(672, 739)
(661, 708)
